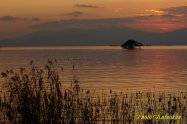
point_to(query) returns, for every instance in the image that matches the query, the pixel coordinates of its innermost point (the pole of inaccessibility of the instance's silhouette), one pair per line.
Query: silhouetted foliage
(36, 96)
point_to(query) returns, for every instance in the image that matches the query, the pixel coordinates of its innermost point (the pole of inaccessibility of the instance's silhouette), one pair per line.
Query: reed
(36, 96)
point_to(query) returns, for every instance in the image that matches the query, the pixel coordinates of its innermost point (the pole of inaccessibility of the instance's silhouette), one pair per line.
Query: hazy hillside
(97, 36)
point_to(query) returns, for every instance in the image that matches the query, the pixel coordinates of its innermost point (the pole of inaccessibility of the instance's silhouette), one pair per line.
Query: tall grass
(36, 96)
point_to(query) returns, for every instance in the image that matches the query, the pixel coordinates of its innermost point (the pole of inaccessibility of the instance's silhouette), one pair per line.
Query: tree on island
(131, 44)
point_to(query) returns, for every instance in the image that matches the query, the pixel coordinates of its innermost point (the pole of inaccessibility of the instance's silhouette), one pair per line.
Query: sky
(21, 17)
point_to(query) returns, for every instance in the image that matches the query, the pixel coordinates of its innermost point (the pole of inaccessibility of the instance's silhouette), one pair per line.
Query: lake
(106, 67)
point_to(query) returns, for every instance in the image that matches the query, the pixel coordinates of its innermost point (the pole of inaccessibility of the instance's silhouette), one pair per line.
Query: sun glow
(155, 12)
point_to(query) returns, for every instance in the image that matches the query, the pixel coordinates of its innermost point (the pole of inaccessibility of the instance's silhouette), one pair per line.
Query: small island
(131, 44)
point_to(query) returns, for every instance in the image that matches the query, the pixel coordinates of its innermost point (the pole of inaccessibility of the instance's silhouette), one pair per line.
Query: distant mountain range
(97, 36)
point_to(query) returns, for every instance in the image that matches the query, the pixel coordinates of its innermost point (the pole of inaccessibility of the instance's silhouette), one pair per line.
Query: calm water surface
(108, 67)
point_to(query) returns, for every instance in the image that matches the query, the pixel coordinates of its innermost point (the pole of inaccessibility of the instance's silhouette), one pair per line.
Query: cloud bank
(86, 6)
(178, 11)
(10, 18)
(75, 13)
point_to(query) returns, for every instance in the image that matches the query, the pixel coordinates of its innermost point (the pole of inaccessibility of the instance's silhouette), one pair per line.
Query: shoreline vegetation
(35, 95)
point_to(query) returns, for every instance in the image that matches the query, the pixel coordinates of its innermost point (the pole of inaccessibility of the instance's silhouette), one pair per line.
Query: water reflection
(109, 67)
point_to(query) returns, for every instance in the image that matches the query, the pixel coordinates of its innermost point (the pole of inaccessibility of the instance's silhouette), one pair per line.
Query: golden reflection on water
(105, 67)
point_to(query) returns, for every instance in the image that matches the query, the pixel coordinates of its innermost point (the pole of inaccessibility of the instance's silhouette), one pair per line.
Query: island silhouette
(131, 44)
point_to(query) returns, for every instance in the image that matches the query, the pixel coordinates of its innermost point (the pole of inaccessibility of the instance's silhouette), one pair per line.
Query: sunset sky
(20, 17)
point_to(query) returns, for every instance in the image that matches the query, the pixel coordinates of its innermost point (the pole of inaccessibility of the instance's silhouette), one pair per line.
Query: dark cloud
(35, 19)
(10, 18)
(181, 10)
(166, 16)
(76, 13)
(87, 6)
